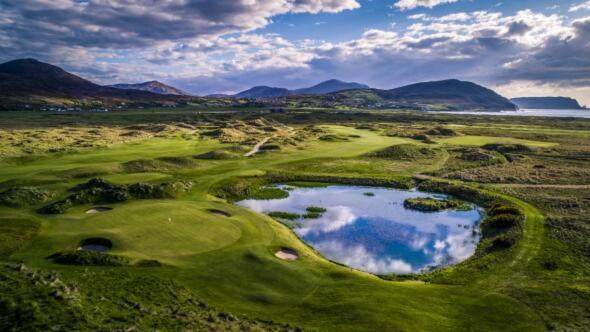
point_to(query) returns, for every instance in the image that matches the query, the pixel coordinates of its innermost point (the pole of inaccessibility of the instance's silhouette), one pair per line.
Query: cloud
(358, 257)
(411, 4)
(124, 24)
(580, 6)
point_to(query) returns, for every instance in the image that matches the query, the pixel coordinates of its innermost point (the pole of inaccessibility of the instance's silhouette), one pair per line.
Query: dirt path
(256, 147)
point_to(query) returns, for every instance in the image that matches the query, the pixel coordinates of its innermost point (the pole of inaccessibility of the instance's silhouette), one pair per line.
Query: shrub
(312, 215)
(506, 148)
(24, 196)
(442, 131)
(429, 204)
(503, 221)
(89, 258)
(315, 209)
(268, 193)
(502, 242)
(283, 215)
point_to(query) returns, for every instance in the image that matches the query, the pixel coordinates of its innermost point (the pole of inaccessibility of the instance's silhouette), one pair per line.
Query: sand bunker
(99, 209)
(219, 212)
(96, 244)
(287, 254)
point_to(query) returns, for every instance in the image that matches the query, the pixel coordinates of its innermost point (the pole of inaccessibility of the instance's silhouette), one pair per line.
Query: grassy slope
(238, 272)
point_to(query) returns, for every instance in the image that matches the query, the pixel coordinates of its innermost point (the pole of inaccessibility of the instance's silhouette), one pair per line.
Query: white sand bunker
(99, 209)
(287, 254)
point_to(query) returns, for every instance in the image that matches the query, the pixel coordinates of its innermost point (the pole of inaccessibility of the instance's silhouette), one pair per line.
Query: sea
(579, 113)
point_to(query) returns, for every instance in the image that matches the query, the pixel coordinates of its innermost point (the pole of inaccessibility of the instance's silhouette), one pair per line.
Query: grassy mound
(225, 153)
(24, 196)
(404, 152)
(157, 165)
(429, 204)
(100, 191)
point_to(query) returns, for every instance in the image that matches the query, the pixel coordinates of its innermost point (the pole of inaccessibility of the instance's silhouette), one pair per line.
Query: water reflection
(377, 234)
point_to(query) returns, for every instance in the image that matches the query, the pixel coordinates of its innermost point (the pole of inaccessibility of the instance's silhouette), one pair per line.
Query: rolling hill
(325, 87)
(151, 86)
(447, 95)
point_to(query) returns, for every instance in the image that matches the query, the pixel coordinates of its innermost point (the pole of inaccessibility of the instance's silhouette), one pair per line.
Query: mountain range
(35, 82)
(151, 86)
(31, 82)
(556, 103)
(325, 87)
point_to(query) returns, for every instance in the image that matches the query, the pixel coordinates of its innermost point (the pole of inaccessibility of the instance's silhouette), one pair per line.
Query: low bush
(283, 215)
(502, 242)
(88, 258)
(506, 148)
(503, 221)
(100, 191)
(312, 215)
(442, 131)
(268, 193)
(315, 209)
(429, 204)
(24, 196)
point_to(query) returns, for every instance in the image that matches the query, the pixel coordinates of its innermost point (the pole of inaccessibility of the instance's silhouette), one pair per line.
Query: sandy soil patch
(98, 209)
(287, 254)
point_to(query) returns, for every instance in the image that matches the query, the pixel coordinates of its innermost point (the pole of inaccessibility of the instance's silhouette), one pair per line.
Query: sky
(517, 47)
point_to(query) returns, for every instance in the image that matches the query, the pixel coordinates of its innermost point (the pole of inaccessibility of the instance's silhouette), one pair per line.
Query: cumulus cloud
(208, 47)
(359, 258)
(580, 6)
(137, 23)
(411, 4)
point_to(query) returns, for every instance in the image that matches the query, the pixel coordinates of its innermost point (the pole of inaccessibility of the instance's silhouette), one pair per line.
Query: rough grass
(229, 261)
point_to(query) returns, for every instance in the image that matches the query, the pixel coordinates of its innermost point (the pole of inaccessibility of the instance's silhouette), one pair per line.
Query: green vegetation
(429, 204)
(530, 271)
(283, 215)
(20, 197)
(83, 257)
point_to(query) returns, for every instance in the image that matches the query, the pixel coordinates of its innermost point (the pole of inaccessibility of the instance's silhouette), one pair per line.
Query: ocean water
(536, 112)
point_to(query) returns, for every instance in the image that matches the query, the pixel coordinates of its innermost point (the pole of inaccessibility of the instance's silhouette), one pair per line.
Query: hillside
(558, 103)
(263, 92)
(33, 82)
(151, 86)
(449, 94)
(329, 87)
(325, 87)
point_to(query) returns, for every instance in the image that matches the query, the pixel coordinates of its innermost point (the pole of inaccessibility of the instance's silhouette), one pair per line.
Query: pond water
(376, 233)
(94, 247)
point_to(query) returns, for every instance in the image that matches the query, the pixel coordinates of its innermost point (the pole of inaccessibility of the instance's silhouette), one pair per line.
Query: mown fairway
(228, 262)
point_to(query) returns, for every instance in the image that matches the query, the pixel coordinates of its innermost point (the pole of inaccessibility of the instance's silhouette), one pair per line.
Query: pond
(369, 228)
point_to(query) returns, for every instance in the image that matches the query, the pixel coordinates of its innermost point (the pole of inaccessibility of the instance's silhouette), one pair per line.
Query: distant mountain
(447, 95)
(319, 89)
(152, 86)
(263, 92)
(556, 103)
(455, 94)
(329, 87)
(32, 80)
